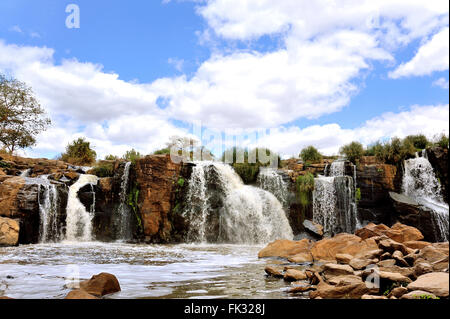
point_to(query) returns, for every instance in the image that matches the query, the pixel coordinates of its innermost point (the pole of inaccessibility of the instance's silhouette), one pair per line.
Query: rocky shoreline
(377, 262)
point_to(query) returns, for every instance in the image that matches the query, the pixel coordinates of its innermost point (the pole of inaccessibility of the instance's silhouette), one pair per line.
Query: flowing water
(421, 184)
(48, 211)
(222, 209)
(123, 210)
(79, 220)
(143, 271)
(272, 181)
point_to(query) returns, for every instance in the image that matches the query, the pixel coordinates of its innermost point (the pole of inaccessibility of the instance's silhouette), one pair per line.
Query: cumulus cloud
(431, 56)
(441, 82)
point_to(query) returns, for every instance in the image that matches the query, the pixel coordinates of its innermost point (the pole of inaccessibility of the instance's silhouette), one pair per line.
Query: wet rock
(9, 232)
(274, 272)
(285, 248)
(101, 284)
(294, 275)
(305, 257)
(79, 294)
(313, 228)
(418, 294)
(436, 283)
(301, 288)
(438, 158)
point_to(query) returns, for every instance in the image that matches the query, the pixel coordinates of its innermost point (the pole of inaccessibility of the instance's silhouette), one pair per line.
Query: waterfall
(222, 209)
(78, 219)
(123, 211)
(25, 173)
(48, 211)
(334, 203)
(420, 183)
(272, 181)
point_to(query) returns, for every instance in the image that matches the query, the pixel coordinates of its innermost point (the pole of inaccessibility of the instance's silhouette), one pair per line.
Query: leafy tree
(441, 140)
(21, 116)
(305, 187)
(162, 151)
(419, 141)
(132, 155)
(353, 151)
(396, 151)
(111, 157)
(310, 154)
(79, 152)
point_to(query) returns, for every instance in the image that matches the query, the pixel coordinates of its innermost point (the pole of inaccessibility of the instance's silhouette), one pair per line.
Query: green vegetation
(353, 151)
(111, 157)
(358, 194)
(425, 297)
(103, 170)
(310, 154)
(5, 165)
(305, 187)
(180, 182)
(79, 152)
(21, 116)
(131, 156)
(162, 151)
(419, 141)
(441, 140)
(133, 197)
(248, 166)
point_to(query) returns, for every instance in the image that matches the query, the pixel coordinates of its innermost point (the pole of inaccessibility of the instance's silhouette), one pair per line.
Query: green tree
(21, 116)
(310, 154)
(305, 187)
(353, 151)
(419, 141)
(441, 140)
(111, 157)
(79, 152)
(132, 155)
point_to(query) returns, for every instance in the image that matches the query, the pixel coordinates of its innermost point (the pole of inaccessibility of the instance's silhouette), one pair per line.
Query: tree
(310, 154)
(79, 152)
(111, 157)
(21, 116)
(353, 151)
(419, 141)
(132, 155)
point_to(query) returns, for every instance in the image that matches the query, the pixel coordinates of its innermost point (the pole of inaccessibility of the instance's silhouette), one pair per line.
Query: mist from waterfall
(78, 219)
(123, 218)
(272, 181)
(220, 208)
(420, 183)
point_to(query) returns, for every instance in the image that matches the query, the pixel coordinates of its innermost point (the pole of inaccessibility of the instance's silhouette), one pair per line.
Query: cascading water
(25, 173)
(123, 211)
(222, 209)
(272, 181)
(420, 183)
(78, 219)
(334, 204)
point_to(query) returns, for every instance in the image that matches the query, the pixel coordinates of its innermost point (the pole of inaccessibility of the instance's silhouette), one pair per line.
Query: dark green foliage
(103, 170)
(181, 182)
(419, 141)
(305, 187)
(358, 194)
(310, 154)
(353, 151)
(248, 167)
(111, 157)
(4, 164)
(133, 197)
(441, 140)
(162, 151)
(79, 152)
(395, 151)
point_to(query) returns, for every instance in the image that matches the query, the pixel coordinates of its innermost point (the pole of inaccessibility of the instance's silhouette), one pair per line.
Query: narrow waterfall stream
(123, 211)
(334, 203)
(270, 180)
(223, 209)
(79, 220)
(420, 183)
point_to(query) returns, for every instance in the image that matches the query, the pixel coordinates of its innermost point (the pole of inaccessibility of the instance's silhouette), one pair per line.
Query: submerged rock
(80, 294)
(101, 284)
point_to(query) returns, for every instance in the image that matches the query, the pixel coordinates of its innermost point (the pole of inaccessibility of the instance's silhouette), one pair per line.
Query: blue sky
(228, 64)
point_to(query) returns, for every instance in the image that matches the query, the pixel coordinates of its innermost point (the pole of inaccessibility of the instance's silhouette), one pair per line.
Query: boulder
(422, 268)
(9, 232)
(415, 244)
(344, 280)
(373, 297)
(354, 291)
(436, 283)
(392, 277)
(274, 272)
(387, 263)
(343, 258)
(79, 294)
(284, 248)
(433, 253)
(398, 292)
(313, 228)
(301, 288)
(398, 256)
(101, 284)
(418, 294)
(391, 246)
(294, 275)
(300, 258)
(358, 263)
(332, 270)
(327, 249)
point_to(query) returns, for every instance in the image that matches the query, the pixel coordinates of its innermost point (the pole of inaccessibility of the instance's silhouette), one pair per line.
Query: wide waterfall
(123, 219)
(78, 219)
(222, 209)
(272, 181)
(420, 183)
(334, 204)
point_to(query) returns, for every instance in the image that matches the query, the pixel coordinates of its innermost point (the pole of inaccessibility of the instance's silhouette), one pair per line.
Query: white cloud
(16, 28)
(441, 82)
(177, 63)
(431, 56)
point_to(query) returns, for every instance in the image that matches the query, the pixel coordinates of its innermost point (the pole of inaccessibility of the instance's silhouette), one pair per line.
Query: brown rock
(390, 246)
(404, 271)
(5, 297)
(312, 227)
(398, 292)
(418, 294)
(387, 263)
(301, 288)
(9, 232)
(391, 276)
(345, 280)
(343, 258)
(274, 272)
(358, 263)
(440, 265)
(399, 232)
(294, 275)
(327, 291)
(285, 248)
(398, 256)
(373, 297)
(305, 257)
(415, 244)
(436, 283)
(433, 253)
(101, 284)
(79, 294)
(422, 268)
(332, 270)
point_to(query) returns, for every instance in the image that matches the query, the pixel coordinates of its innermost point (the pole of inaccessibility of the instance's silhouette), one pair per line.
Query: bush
(132, 156)
(396, 151)
(353, 151)
(305, 187)
(79, 152)
(310, 154)
(441, 140)
(103, 170)
(111, 157)
(162, 151)
(419, 141)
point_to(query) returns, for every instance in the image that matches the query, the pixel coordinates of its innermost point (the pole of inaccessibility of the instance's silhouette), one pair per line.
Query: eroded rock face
(9, 232)
(438, 158)
(398, 232)
(436, 283)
